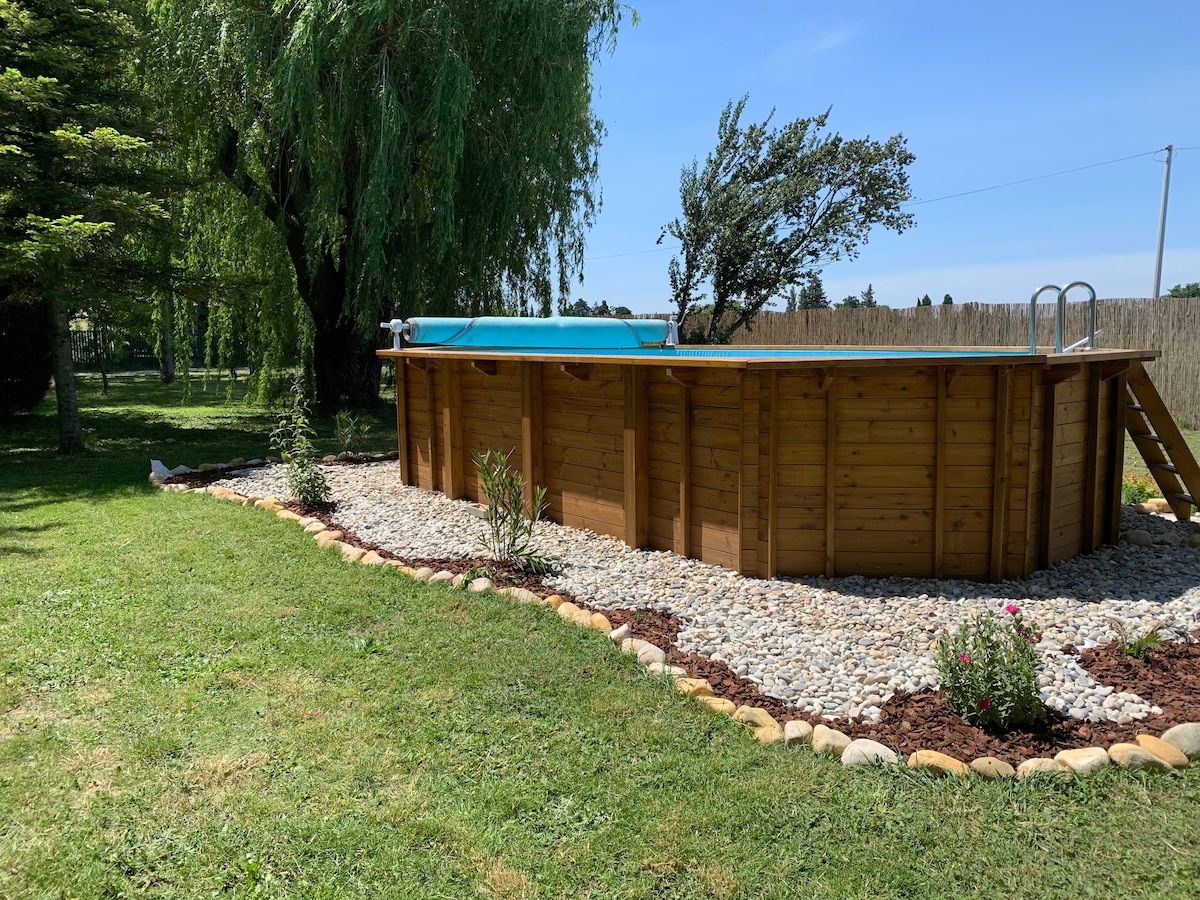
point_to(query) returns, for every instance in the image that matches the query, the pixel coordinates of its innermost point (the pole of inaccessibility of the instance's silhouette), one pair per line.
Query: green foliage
(810, 296)
(1140, 646)
(350, 432)
(581, 308)
(414, 156)
(1191, 289)
(25, 356)
(925, 300)
(771, 205)
(987, 670)
(476, 572)
(947, 300)
(1137, 488)
(81, 183)
(509, 536)
(293, 440)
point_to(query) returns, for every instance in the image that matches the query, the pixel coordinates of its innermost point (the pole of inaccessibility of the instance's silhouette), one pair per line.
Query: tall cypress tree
(414, 156)
(78, 188)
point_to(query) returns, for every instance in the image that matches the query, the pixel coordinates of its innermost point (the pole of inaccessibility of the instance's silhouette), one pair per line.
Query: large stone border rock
(1178, 747)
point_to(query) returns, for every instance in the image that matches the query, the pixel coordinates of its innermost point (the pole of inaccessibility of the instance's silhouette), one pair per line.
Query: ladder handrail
(1062, 312)
(1033, 314)
(1060, 316)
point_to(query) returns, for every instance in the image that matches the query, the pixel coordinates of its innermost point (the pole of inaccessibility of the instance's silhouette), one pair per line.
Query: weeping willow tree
(235, 292)
(413, 156)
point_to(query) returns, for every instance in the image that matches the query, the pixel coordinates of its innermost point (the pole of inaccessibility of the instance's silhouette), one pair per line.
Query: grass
(1135, 463)
(196, 701)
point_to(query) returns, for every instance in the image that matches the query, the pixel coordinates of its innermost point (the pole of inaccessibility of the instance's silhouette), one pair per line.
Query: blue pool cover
(575, 335)
(563, 332)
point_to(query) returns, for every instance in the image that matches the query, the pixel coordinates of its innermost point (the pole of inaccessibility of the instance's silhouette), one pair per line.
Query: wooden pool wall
(954, 467)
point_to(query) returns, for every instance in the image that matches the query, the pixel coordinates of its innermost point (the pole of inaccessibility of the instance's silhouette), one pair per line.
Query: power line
(996, 187)
(631, 253)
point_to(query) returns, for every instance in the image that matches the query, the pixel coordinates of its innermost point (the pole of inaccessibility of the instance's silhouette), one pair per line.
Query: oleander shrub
(509, 534)
(987, 669)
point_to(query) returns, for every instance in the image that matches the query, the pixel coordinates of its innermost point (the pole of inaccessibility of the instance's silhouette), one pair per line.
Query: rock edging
(1177, 748)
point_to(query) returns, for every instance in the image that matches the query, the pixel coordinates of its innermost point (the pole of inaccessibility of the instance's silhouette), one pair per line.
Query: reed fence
(1168, 324)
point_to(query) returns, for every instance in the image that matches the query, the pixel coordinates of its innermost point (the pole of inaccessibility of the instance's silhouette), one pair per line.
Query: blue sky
(985, 93)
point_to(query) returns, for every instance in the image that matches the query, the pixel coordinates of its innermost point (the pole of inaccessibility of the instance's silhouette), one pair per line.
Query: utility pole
(1162, 221)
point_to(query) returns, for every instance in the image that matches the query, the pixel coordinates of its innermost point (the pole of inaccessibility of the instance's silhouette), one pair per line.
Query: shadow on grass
(138, 420)
(15, 532)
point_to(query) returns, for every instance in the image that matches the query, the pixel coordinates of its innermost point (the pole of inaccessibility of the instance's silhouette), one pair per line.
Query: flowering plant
(988, 670)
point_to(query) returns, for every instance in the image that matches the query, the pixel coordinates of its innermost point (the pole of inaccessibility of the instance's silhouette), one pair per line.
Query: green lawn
(196, 701)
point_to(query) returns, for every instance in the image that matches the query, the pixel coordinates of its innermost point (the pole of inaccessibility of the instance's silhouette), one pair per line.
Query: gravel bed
(830, 647)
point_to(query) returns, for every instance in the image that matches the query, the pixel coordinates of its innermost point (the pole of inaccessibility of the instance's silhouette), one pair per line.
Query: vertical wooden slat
(402, 420)
(770, 566)
(1027, 563)
(637, 460)
(1002, 473)
(1049, 421)
(939, 477)
(748, 482)
(1116, 453)
(830, 471)
(683, 523)
(1091, 461)
(452, 431)
(531, 428)
(431, 421)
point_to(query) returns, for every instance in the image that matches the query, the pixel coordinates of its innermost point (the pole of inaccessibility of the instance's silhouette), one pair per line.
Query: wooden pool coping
(1013, 356)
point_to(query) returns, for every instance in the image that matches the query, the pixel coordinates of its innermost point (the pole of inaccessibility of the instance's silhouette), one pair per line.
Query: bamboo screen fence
(1168, 324)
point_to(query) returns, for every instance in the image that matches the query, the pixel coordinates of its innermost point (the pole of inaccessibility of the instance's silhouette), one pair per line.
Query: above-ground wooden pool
(789, 461)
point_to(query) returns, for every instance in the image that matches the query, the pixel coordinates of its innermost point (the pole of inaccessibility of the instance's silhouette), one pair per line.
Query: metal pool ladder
(1060, 317)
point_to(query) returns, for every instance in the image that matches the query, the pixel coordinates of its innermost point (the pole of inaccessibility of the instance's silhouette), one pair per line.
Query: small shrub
(1137, 488)
(509, 536)
(292, 439)
(1140, 646)
(350, 432)
(988, 671)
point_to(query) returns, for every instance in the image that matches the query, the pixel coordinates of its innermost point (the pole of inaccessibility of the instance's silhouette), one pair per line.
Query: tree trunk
(344, 361)
(166, 331)
(70, 433)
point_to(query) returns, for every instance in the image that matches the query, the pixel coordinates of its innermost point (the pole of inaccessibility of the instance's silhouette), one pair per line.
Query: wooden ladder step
(1146, 436)
(1136, 407)
(1164, 467)
(1179, 495)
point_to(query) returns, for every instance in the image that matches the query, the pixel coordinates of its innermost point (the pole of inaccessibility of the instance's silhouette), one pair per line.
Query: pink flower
(1013, 609)
(1031, 639)
(964, 658)
(985, 704)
